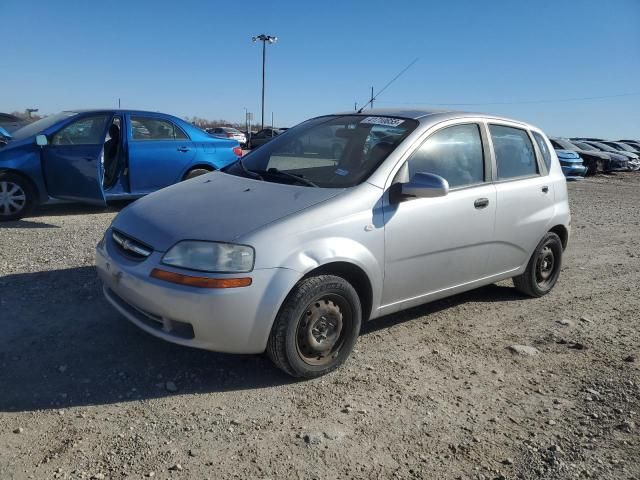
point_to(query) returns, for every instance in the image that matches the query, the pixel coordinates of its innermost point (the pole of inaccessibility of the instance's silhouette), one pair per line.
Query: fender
(25, 160)
(339, 249)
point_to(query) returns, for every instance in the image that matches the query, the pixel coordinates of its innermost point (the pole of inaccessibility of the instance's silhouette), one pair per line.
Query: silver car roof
(429, 115)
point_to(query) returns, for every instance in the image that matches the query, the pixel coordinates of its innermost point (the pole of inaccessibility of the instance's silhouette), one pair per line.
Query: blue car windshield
(335, 151)
(40, 125)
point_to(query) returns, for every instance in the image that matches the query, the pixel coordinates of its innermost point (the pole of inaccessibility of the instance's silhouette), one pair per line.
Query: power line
(522, 102)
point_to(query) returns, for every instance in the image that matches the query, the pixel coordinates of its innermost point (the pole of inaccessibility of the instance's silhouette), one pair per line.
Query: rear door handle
(481, 203)
(183, 149)
(545, 189)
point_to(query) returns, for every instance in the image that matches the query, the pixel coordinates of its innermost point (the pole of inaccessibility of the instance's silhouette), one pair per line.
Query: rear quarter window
(544, 150)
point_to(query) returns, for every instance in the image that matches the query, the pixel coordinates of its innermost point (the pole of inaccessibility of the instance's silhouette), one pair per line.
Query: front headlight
(210, 257)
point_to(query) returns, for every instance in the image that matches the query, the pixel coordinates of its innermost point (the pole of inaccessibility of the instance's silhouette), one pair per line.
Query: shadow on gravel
(63, 345)
(26, 224)
(490, 293)
(68, 209)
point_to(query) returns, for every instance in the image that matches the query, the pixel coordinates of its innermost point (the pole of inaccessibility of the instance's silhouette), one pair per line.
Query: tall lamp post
(264, 39)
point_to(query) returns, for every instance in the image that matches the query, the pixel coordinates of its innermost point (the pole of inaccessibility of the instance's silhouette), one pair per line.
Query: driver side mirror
(41, 140)
(422, 185)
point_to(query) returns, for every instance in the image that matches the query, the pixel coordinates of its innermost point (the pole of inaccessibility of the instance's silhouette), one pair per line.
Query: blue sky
(197, 58)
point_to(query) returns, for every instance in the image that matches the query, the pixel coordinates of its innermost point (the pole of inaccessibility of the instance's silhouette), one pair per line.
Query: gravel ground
(433, 392)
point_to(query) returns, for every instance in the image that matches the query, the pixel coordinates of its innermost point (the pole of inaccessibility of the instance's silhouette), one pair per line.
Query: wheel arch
(32, 183)
(353, 274)
(563, 233)
(204, 166)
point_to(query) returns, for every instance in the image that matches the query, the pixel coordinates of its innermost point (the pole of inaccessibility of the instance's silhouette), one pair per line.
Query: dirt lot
(433, 392)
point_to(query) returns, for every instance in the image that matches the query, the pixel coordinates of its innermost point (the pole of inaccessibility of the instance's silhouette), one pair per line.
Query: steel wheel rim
(546, 267)
(323, 328)
(12, 198)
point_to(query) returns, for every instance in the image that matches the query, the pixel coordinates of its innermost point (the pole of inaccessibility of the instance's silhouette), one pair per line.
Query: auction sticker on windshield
(386, 121)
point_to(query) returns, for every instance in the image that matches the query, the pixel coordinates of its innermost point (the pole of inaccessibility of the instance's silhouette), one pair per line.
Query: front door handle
(545, 189)
(481, 203)
(183, 149)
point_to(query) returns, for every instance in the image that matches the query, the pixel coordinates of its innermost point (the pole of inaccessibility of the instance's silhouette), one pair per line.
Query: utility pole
(371, 98)
(118, 102)
(264, 39)
(355, 106)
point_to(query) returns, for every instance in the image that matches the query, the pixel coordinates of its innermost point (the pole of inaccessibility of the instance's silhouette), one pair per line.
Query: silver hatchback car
(288, 251)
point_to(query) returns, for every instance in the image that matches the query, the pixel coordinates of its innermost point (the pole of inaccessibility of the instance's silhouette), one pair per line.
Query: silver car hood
(215, 206)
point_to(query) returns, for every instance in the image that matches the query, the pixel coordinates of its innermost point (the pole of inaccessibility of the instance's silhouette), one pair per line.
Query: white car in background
(228, 132)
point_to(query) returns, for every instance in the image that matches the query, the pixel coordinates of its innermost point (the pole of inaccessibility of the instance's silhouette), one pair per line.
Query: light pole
(264, 39)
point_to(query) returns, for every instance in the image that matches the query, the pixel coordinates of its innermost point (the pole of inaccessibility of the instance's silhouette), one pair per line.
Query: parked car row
(587, 156)
(97, 155)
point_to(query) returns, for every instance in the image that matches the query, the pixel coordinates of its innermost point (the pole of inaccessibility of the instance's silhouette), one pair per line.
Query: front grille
(130, 246)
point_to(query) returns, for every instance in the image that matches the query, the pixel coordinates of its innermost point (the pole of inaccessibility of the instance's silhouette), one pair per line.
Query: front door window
(85, 131)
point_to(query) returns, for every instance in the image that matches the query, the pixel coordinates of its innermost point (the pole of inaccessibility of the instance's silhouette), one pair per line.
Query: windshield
(604, 147)
(625, 147)
(332, 152)
(40, 125)
(584, 146)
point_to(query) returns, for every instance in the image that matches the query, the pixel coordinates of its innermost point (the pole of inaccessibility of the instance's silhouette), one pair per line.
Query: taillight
(229, 135)
(237, 151)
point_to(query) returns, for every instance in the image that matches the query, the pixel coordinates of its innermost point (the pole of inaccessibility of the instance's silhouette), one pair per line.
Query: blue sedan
(93, 156)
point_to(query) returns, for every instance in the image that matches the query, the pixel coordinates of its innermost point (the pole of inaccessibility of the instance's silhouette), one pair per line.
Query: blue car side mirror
(41, 140)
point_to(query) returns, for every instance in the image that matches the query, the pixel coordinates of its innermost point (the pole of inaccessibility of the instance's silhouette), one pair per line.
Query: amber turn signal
(200, 282)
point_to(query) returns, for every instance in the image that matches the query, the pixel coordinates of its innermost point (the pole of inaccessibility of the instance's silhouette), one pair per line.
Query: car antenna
(373, 97)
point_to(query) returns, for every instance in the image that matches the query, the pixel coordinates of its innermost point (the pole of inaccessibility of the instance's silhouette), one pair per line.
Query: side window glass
(145, 128)
(85, 131)
(455, 153)
(514, 152)
(180, 135)
(542, 145)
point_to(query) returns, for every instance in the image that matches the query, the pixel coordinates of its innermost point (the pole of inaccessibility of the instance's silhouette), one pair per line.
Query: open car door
(72, 159)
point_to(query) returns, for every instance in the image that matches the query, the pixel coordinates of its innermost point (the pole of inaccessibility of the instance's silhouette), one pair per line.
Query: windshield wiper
(250, 173)
(298, 178)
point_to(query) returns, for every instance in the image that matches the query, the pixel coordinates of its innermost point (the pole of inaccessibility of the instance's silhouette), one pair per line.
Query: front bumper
(233, 320)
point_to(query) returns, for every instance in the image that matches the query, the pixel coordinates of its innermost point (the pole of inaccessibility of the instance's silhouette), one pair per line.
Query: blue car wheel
(16, 196)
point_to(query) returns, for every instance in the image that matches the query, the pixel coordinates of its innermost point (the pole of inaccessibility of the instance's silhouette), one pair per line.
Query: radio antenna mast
(373, 97)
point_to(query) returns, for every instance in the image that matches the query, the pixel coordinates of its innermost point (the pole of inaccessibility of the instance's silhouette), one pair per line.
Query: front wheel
(16, 197)
(543, 268)
(316, 328)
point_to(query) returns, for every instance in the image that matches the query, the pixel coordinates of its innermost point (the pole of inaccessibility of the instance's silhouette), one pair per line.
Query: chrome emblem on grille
(130, 245)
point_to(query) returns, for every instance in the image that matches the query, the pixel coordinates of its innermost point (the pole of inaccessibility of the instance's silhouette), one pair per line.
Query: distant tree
(206, 123)
(24, 115)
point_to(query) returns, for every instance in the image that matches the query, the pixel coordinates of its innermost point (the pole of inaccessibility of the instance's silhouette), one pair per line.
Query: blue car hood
(215, 206)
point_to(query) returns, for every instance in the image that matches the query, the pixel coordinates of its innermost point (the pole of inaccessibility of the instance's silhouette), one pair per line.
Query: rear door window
(454, 153)
(147, 128)
(514, 152)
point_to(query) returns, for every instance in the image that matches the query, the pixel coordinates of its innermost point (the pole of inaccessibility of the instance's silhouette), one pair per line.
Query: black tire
(316, 327)
(17, 196)
(195, 172)
(543, 268)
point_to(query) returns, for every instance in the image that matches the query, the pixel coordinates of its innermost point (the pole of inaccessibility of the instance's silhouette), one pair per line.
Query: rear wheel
(195, 172)
(543, 268)
(17, 197)
(316, 328)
